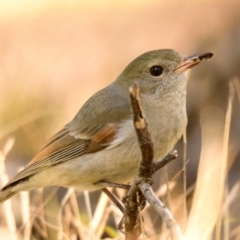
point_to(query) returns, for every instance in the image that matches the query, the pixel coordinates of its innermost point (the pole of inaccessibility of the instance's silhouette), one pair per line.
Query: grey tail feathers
(5, 194)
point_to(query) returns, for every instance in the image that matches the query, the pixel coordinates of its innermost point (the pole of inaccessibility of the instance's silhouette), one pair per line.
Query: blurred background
(55, 54)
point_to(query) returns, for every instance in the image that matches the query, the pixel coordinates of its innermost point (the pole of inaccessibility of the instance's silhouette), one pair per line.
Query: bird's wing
(80, 136)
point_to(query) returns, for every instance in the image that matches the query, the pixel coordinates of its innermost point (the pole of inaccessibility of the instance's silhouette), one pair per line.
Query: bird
(100, 143)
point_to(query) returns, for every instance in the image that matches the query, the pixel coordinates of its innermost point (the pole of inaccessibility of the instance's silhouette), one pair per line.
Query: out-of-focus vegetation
(56, 54)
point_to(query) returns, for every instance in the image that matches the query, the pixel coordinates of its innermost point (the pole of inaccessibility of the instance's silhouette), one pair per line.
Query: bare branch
(164, 161)
(162, 210)
(146, 167)
(143, 180)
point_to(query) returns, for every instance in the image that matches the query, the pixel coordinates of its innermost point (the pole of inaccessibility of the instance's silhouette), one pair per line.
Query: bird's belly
(117, 164)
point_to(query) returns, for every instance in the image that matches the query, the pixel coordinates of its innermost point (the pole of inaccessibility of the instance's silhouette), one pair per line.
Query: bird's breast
(166, 124)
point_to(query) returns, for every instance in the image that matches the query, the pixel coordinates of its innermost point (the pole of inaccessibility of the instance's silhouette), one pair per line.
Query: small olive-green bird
(100, 143)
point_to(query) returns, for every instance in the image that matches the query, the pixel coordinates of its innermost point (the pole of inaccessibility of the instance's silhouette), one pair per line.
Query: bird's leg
(111, 196)
(114, 199)
(111, 184)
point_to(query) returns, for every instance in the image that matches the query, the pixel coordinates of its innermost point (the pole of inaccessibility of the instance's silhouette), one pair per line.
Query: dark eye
(156, 70)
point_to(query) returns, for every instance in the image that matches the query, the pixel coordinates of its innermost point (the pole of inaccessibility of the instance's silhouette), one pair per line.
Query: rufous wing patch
(106, 135)
(102, 139)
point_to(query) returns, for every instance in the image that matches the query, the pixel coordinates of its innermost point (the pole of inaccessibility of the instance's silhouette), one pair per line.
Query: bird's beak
(191, 61)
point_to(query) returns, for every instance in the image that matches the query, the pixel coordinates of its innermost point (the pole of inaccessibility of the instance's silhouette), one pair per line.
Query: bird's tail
(6, 193)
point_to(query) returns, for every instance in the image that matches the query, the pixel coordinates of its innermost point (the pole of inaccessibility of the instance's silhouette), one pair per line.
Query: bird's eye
(156, 70)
